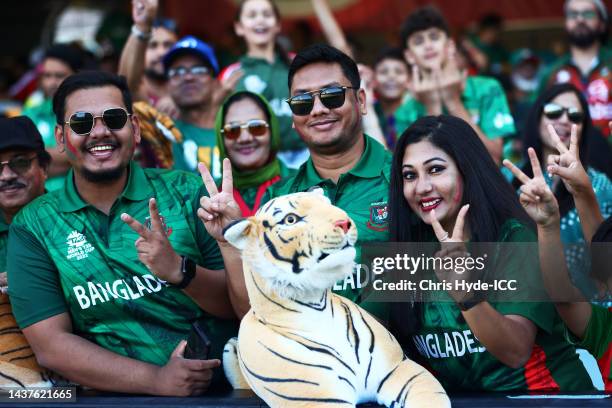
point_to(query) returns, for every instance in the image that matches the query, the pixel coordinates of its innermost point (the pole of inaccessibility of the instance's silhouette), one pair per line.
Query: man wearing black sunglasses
(108, 273)
(23, 171)
(352, 168)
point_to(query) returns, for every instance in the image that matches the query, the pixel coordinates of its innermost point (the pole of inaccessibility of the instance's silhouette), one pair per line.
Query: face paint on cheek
(71, 150)
(459, 192)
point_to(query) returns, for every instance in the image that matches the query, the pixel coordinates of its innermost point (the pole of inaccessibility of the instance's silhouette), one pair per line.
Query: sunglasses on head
(553, 111)
(331, 97)
(256, 127)
(18, 164)
(82, 123)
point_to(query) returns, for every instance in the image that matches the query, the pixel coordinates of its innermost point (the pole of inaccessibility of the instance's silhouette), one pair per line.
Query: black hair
(242, 95)
(325, 53)
(492, 21)
(87, 80)
(392, 53)
(69, 54)
(166, 23)
(492, 199)
(600, 251)
(421, 19)
(532, 138)
(278, 48)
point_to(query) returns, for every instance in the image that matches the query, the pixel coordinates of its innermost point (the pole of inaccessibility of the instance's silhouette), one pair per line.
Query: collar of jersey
(136, 189)
(370, 165)
(3, 225)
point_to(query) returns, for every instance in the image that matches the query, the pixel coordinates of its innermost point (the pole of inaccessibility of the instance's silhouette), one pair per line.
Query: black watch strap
(188, 270)
(471, 302)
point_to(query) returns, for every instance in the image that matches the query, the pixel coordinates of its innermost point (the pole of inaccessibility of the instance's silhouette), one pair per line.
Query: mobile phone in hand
(198, 344)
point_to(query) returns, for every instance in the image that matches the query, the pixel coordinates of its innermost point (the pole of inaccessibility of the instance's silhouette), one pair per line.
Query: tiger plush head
(300, 244)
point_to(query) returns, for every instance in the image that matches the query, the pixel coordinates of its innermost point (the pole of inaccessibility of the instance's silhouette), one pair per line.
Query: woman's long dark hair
(492, 199)
(278, 48)
(532, 138)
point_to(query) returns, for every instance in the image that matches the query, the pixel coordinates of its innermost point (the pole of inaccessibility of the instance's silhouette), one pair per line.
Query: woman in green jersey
(445, 187)
(264, 69)
(248, 134)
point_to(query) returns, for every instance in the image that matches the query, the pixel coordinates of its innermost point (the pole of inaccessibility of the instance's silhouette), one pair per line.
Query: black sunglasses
(82, 123)
(256, 127)
(553, 111)
(331, 97)
(18, 164)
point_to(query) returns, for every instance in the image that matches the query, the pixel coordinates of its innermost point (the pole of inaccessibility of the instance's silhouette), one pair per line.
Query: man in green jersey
(23, 171)
(191, 67)
(351, 168)
(106, 298)
(439, 86)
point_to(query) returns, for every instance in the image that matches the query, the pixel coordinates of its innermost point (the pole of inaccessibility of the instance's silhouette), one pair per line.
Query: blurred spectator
(588, 64)
(247, 133)
(391, 75)
(563, 106)
(191, 67)
(142, 56)
(263, 70)
(59, 62)
(487, 40)
(439, 85)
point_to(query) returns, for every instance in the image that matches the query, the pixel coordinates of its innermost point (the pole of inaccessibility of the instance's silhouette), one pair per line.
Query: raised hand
(536, 197)
(452, 247)
(143, 13)
(567, 163)
(153, 246)
(219, 209)
(451, 79)
(424, 87)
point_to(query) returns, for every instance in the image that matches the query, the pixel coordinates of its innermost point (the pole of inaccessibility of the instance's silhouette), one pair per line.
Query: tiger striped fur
(18, 366)
(301, 345)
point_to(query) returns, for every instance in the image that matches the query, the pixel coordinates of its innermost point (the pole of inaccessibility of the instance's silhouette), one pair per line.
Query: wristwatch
(188, 270)
(141, 35)
(472, 301)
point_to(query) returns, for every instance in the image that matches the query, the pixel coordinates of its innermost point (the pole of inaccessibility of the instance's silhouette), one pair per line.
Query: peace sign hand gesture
(219, 209)
(536, 197)
(567, 164)
(153, 246)
(452, 247)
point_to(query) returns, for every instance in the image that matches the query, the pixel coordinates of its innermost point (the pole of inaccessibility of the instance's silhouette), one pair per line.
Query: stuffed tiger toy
(18, 366)
(300, 345)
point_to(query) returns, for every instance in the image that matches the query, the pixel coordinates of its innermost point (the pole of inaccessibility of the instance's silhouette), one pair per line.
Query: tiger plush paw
(301, 345)
(231, 366)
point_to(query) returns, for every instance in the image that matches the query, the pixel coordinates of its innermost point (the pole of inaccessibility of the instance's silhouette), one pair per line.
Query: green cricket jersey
(597, 340)
(461, 362)
(363, 193)
(482, 97)
(4, 229)
(43, 117)
(67, 256)
(269, 80)
(199, 145)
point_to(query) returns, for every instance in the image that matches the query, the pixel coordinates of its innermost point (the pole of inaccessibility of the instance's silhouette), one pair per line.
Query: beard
(104, 176)
(155, 76)
(583, 36)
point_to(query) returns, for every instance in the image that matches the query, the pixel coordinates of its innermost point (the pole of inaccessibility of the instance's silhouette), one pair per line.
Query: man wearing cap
(59, 62)
(588, 64)
(108, 274)
(191, 67)
(23, 171)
